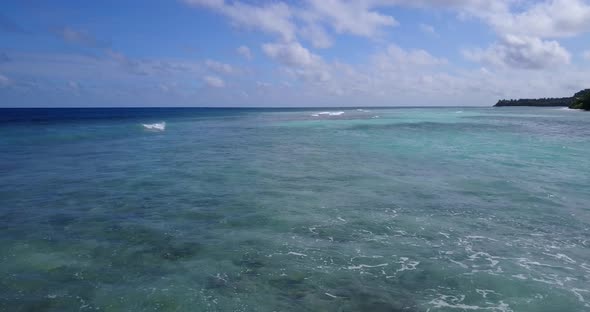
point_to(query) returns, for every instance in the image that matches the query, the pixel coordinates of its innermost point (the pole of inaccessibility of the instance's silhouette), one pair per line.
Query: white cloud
(522, 52)
(427, 29)
(544, 19)
(547, 19)
(214, 4)
(275, 17)
(586, 55)
(396, 57)
(317, 35)
(219, 67)
(213, 81)
(4, 81)
(309, 20)
(353, 17)
(262, 84)
(298, 62)
(290, 54)
(245, 52)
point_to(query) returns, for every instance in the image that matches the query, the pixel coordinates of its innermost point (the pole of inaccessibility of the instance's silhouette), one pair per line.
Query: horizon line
(238, 107)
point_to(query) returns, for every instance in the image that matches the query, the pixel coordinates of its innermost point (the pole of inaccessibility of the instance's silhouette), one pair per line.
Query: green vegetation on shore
(580, 100)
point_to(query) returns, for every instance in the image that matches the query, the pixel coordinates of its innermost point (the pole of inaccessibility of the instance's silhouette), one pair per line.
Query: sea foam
(327, 114)
(159, 126)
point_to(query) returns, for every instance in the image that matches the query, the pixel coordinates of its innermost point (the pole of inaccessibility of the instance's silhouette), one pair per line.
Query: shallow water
(430, 209)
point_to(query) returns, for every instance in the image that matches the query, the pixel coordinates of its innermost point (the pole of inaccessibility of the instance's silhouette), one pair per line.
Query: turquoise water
(430, 209)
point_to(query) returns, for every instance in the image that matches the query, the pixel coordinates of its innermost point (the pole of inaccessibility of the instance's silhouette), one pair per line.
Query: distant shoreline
(580, 100)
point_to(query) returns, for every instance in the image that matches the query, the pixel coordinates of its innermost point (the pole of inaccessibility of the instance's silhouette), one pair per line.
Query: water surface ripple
(432, 209)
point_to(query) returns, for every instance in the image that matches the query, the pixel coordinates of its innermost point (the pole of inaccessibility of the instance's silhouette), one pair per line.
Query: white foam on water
(296, 254)
(484, 292)
(341, 219)
(526, 263)
(407, 265)
(453, 302)
(362, 266)
(519, 276)
(331, 296)
(327, 114)
(159, 126)
(486, 256)
(549, 282)
(577, 291)
(560, 256)
(444, 234)
(480, 237)
(461, 264)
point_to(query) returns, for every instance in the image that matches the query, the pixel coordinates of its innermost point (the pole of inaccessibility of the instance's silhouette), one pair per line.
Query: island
(580, 100)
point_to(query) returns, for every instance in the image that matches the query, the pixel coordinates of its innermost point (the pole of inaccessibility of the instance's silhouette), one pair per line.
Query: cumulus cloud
(275, 17)
(219, 67)
(547, 19)
(298, 62)
(290, 54)
(353, 17)
(213, 81)
(308, 21)
(544, 19)
(522, 52)
(395, 56)
(317, 35)
(245, 52)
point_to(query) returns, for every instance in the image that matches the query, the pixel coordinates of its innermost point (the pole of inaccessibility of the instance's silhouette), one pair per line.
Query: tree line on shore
(580, 100)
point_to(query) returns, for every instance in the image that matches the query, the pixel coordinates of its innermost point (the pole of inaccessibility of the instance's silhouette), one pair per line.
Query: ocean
(373, 209)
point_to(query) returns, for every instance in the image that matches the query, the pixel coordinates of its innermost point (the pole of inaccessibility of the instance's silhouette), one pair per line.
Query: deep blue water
(406, 209)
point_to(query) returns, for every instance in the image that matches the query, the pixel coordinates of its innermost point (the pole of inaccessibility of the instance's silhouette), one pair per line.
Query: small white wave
(296, 254)
(332, 296)
(407, 265)
(563, 257)
(577, 291)
(159, 126)
(476, 237)
(363, 110)
(327, 114)
(519, 276)
(456, 303)
(361, 266)
(461, 264)
(484, 292)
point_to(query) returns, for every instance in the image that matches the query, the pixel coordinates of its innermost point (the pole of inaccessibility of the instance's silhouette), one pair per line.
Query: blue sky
(290, 53)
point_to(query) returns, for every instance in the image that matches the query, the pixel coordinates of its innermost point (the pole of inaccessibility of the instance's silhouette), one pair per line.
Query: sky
(249, 53)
